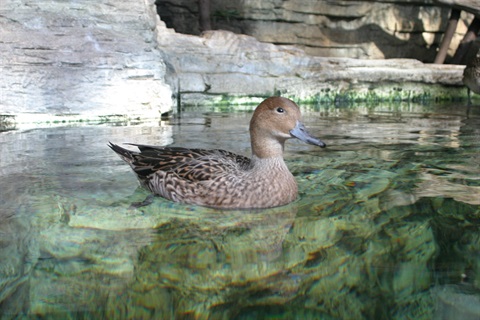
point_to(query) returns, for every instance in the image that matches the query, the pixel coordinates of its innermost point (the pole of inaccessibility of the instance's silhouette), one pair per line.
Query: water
(386, 225)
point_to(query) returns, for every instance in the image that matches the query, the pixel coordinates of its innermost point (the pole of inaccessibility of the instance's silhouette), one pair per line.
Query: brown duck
(471, 75)
(222, 179)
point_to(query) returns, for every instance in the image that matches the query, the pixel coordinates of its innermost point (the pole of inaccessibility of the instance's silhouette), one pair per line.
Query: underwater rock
(456, 302)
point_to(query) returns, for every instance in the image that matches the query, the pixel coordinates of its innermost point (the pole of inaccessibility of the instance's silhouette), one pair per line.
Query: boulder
(80, 60)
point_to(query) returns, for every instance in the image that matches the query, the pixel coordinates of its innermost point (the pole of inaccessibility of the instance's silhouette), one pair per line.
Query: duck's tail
(125, 154)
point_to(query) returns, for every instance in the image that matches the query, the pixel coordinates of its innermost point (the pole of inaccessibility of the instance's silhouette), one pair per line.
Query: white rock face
(81, 58)
(224, 63)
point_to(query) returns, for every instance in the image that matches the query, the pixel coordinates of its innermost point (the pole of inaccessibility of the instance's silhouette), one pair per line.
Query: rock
(81, 59)
(350, 29)
(456, 302)
(471, 6)
(221, 63)
(73, 61)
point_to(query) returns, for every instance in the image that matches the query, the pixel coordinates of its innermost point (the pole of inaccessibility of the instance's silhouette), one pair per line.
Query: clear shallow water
(386, 225)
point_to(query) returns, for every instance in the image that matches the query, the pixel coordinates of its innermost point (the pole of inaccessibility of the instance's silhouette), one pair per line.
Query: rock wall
(81, 58)
(221, 64)
(354, 29)
(88, 59)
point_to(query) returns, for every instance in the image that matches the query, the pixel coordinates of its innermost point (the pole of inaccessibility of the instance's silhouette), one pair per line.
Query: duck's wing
(188, 164)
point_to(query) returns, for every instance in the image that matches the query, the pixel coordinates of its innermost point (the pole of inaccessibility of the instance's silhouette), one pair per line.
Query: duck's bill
(301, 133)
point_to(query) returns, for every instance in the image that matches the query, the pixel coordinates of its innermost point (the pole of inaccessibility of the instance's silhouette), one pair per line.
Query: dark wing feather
(189, 164)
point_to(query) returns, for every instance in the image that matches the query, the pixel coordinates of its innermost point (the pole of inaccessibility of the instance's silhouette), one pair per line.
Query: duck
(222, 179)
(471, 75)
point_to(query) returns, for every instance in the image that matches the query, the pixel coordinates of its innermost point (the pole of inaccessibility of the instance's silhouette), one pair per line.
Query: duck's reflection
(205, 262)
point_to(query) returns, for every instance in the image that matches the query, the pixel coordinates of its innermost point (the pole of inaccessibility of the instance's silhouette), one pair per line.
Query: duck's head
(274, 121)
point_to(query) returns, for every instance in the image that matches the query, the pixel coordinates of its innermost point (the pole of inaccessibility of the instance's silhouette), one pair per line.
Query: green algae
(371, 95)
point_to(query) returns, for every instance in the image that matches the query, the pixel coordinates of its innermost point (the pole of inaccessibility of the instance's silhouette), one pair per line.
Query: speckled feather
(213, 178)
(222, 179)
(471, 74)
(189, 164)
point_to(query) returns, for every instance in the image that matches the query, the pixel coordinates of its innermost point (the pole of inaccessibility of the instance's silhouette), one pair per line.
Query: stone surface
(81, 60)
(84, 58)
(472, 6)
(354, 29)
(222, 63)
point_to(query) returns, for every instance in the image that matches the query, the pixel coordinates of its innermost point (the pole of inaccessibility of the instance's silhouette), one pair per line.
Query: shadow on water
(386, 225)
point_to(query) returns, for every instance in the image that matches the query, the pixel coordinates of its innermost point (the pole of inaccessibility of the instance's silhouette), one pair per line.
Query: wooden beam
(204, 15)
(463, 47)
(447, 37)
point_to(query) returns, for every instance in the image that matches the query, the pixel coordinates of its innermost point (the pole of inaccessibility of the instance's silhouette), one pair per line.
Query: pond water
(386, 225)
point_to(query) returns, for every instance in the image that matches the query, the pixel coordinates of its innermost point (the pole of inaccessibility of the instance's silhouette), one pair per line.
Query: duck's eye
(280, 110)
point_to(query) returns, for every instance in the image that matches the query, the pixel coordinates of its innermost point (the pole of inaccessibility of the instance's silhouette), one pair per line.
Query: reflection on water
(386, 225)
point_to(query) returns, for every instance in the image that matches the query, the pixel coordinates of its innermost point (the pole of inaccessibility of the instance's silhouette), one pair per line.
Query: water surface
(386, 225)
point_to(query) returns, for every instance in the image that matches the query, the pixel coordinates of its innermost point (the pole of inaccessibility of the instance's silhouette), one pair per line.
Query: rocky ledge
(221, 64)
(74, 60)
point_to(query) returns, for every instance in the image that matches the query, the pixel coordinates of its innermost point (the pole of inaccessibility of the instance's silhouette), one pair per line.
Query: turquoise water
(386, 225)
